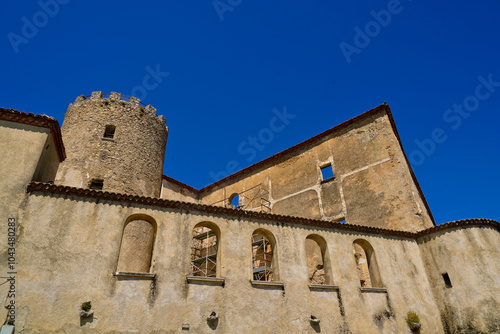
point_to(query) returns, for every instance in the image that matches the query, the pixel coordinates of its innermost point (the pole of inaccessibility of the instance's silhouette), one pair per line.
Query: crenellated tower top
(114, 143)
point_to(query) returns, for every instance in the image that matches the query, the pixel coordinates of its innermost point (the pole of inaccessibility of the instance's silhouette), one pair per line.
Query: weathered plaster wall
(471, 258)
(20, 148)
(131, 162)
(372, 185)
(172, 191)
(48, 164)
(68, 249)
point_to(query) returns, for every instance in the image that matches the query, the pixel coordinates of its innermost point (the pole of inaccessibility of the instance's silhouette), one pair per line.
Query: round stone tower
(113, 143)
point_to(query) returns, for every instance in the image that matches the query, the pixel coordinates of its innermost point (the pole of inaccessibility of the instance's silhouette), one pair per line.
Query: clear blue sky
(229, 67)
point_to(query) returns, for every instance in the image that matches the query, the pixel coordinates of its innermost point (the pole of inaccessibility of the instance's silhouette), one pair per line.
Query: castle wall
(130, 162)
(470, 257)
(21, 146)
(176, 192)
(48, 164)
(372, 182)
(69, 247)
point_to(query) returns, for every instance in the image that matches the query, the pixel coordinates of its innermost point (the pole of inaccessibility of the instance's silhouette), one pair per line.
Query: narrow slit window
(447, 280)
(96, 184)
(327, 172)
(109, 132)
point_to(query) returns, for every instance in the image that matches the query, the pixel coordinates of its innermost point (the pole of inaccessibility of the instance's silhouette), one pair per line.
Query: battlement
(114, 97)
(125, 139)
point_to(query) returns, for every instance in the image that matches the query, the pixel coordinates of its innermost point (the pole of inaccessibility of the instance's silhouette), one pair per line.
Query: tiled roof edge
(150, 201)
(11, 115)
(165, 203)
(472, 222)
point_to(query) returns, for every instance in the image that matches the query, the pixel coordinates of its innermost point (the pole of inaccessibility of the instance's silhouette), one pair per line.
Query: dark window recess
(327, 172)
(96, 184)
(447, 280)
(109, 132)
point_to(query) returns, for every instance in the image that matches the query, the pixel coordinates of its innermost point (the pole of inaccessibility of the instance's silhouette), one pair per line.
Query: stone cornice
(289, 220)
(11, 115)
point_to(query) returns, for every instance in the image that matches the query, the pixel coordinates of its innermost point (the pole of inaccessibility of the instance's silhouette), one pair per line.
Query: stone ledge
(269, 284)
(328, 180)
(323, 287)
(134, 275)
(381, 290)
(206, 280)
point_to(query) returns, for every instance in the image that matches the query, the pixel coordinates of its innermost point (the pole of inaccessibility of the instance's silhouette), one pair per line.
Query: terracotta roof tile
(164, 203)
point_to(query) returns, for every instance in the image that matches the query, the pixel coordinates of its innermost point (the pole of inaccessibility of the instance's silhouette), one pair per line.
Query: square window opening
(109, 132)
(96, 184)
(447, 280)
(327, 172)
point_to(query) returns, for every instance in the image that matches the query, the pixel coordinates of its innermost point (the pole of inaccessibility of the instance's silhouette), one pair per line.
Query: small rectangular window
(109, 132)
(327, 172)
(96, 184)
(447, 280)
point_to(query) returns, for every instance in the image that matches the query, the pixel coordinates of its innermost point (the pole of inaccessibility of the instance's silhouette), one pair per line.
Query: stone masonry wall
(69, 248)
(131, 162)
(372, 183)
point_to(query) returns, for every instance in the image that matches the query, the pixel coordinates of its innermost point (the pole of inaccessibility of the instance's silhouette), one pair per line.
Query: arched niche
(137, 243)
(318, 260)
(366, 264)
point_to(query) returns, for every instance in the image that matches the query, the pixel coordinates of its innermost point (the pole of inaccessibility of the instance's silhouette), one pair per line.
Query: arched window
(366, 264)
(137, 245)
(318, 266)
(234, 200)
(204, 250)
(263, 259)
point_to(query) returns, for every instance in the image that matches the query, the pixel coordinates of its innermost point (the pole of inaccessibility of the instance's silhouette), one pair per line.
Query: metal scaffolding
(204, 252)
(255, 198)
(262, 257)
